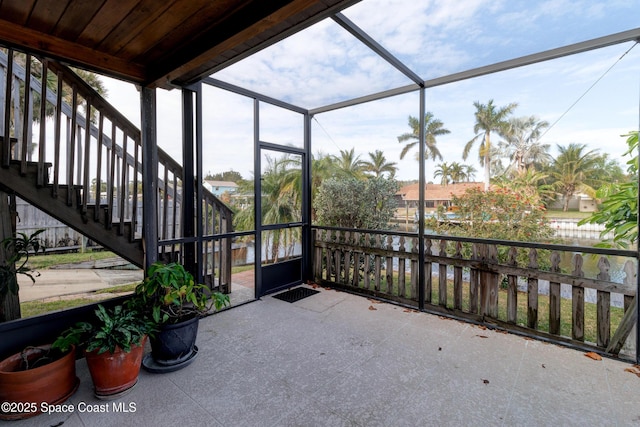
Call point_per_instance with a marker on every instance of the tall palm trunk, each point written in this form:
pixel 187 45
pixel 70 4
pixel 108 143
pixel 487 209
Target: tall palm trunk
pixel 487 162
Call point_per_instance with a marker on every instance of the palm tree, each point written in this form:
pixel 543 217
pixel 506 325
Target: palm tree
pixel 570 171
pixel 522 145
pixel 489 119
pixel 443 170
pixel 469 173
pixel 433 127
pixel 530 184
pixel 378 164
pixel 348 164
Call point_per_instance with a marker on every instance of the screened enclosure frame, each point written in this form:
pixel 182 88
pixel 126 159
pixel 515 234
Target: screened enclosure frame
pixel 420 85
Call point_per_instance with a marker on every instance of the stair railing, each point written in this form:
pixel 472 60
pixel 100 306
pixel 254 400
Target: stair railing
pixel 95 163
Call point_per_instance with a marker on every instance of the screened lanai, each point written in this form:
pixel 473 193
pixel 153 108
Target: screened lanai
pixel 350 84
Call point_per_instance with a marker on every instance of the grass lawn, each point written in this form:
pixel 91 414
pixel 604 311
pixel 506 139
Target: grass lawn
pixel 34 308
pixel 44 261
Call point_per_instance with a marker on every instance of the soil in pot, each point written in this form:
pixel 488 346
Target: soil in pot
pixel 36 375
pixel 114 374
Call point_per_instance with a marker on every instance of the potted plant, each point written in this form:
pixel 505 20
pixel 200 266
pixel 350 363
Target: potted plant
pixel 14 257
pixel 175 302
pixel 42 371
pixel 113 345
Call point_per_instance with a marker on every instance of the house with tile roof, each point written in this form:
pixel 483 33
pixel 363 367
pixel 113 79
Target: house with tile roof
pixel 435 194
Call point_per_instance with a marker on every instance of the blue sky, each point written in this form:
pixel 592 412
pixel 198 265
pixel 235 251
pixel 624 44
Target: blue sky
pixel 325 64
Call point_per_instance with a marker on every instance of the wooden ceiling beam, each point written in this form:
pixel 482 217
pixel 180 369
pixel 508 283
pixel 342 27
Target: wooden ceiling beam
pixel 73 53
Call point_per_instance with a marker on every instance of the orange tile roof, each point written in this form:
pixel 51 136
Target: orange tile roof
pixel 437 191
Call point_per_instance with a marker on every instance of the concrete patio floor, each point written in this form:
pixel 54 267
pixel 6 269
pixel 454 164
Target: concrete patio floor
pixel 335 359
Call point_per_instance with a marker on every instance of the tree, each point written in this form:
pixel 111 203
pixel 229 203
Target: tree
pixel 570 171
pixel 469 173
pixel 530 184
pixel 444 171
pixel 280 196
pixel 619 209
pixel 489 119
pixel 347 164
pixel 522 145
pixel 495 214
pixel 229 175
pixel 433 128
pixel 606 170
pixel 378 164
pixel 353 203
pixel 461 172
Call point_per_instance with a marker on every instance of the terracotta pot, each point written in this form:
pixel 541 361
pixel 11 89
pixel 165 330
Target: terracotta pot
pixel 51 383
pixel 114 374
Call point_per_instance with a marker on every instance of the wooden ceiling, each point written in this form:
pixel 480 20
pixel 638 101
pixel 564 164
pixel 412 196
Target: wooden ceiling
pixel 155 43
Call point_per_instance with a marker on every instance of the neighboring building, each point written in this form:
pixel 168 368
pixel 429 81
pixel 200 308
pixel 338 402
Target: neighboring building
pixel 220 187
pixel 435 194
pixel 578 202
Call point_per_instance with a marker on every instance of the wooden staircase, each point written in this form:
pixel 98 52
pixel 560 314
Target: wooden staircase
pixel 87 170
pixel 93 223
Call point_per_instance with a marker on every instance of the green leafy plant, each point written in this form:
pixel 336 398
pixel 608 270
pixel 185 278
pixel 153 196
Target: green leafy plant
pixel 354 203
pixel 619 209
pixel 18 249
pixel 170 294
pixel 122 326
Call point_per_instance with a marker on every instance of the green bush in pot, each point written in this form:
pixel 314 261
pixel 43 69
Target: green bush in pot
pixel 113 345
pixel 171 297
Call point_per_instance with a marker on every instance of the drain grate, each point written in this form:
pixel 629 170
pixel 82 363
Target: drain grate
pixel 295 294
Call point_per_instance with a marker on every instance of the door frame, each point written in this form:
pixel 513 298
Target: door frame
pixel 294 271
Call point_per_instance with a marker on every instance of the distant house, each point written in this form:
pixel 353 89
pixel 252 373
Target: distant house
pixel 220 187
pixel 578 202
pixel 435 194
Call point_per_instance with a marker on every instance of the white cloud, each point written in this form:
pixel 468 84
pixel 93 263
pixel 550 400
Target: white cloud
pixel 325 64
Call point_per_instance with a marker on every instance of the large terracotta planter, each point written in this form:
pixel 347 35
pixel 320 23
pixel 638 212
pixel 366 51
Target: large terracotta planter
pixel 114 374
pixel 51 383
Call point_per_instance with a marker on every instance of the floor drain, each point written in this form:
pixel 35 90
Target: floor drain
pixel 295 294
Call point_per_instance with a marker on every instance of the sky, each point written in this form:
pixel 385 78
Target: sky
pixel 590 98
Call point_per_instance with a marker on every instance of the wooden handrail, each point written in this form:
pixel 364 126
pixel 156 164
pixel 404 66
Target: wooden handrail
pixel 85 152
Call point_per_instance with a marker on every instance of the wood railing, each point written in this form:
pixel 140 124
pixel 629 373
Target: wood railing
pixel 90 155
pixel 582 296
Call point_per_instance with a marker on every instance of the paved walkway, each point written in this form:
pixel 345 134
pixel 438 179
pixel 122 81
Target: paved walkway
pixel 335 359
pixel 60 282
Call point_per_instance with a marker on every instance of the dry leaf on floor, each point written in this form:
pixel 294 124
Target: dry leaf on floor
pixel 484 328
pixel 543 365
pixel 485 381
pixel 374 301
pixel 372 308
pixel 594 356
pixel 634 370
pixel 482 336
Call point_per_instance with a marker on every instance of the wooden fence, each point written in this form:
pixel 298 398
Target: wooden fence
pixel 582 296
